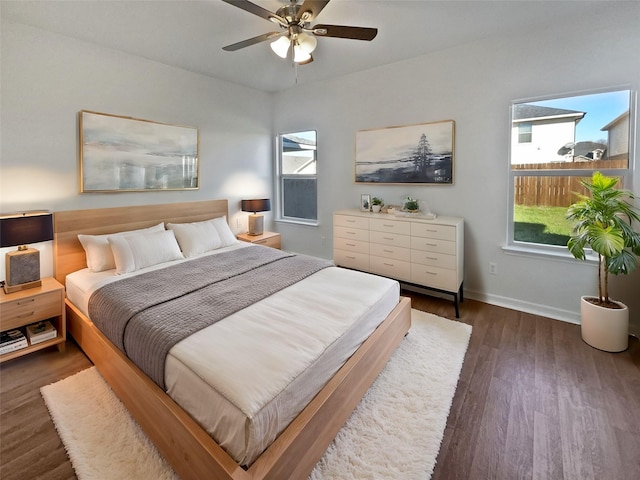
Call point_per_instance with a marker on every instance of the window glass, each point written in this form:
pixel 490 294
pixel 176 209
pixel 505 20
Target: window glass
pixel 297 181
pixel 555 143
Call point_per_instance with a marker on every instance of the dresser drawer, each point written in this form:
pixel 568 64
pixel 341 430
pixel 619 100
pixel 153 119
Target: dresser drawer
pixel 351 233
pixel 351 245
pixel 356 260
pixel 435 259
pixel 433 245
pixel 435 277
pixel 394 239
pixel 354 222
pixel 30 309
pixel 390 226
pixel 390 251
pixel 442 232
pixel 389 267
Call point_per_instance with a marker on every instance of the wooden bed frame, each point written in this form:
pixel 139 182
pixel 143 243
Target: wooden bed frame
pixel 189 449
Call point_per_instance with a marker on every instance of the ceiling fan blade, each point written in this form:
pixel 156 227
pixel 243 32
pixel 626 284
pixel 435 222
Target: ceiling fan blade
pixel 252 41
pixel 310 9
pixel 250 7
pixel 340 31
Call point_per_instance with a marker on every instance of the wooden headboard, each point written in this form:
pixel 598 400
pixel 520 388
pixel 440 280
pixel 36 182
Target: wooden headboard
pixel 68 253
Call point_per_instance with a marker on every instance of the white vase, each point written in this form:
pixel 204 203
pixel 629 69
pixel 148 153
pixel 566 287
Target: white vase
pixel 375 208
pixel 605 328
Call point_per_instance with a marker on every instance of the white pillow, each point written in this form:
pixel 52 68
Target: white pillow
pixel 226 235
pixel 133 252
pixel 98 251
pixel 196 238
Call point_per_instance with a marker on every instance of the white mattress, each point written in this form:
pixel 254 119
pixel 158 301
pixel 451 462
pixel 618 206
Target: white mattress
pixel 247 376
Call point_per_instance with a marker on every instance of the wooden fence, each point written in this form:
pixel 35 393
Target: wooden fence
pixel 557 190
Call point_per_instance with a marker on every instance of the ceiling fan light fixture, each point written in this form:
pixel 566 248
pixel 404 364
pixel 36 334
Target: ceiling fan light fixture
pixel 299 55
pixel 281 46
pixel 307 43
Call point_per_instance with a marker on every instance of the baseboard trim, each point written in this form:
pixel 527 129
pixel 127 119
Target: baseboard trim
pixel 527 307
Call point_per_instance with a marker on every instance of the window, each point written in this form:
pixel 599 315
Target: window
pixel 297 177
pixel 524 132
pixel 555 143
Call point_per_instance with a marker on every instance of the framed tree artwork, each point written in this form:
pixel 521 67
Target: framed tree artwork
pixel 414 154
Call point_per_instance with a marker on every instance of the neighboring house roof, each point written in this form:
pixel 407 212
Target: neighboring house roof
pixel 527 112
pixel 615 121
pixel 583 149
pixel 294 143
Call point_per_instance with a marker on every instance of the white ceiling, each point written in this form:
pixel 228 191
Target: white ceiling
pixel 190 34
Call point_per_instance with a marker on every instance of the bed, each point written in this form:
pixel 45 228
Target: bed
pixel 181 437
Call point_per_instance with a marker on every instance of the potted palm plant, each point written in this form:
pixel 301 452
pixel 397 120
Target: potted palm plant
pixel 604 223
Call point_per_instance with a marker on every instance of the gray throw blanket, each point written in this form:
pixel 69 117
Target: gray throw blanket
pixel 147 314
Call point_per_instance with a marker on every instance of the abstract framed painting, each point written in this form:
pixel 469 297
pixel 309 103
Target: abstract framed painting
pixel 411 154
pixel 125 154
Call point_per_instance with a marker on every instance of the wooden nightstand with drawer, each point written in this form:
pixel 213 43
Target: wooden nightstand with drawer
pixel 26 307
pixel 268 239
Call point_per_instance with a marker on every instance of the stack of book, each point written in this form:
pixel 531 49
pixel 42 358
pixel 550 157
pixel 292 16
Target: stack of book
pixel 40 332
pixel 12 340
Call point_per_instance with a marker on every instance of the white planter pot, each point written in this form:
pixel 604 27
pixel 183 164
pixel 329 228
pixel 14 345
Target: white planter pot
pixel 605 328
pixel 376 208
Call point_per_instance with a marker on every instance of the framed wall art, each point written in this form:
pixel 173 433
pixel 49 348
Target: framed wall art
pixel 415 154
pixel 125 154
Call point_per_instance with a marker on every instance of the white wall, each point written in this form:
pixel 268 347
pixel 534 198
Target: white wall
pixel 474 85
pixel 46 79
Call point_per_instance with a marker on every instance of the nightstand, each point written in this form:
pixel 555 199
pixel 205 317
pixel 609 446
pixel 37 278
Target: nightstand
pixel 29 306
pixel 268 239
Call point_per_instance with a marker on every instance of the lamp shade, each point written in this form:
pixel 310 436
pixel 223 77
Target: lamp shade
pixel 281 46
pixel 259 205
pixel 30 227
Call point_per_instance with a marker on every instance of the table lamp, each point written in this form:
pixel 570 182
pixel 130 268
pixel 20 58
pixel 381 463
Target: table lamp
pixel 23 265
pixel 256 222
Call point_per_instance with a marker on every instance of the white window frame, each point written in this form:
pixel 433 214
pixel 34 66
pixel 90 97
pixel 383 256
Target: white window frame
pixel 558 252
pixel 280 177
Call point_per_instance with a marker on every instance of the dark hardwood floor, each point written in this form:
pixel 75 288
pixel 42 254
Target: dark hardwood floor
pixel 533 402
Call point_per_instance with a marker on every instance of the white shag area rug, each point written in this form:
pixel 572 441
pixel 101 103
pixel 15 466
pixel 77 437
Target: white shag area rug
pixel 395 432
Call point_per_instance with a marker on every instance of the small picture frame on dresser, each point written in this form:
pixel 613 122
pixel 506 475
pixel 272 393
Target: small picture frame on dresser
pixel 365 202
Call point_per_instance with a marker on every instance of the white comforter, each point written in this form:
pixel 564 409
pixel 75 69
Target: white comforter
pixel 247 376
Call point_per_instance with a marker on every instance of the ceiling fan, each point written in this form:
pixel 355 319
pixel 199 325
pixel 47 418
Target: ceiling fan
pixel 296 32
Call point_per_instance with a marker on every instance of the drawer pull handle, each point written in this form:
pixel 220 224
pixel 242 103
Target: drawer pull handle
pixel 350 257
pixel 351 221
pixel 431 244
pixel 28 300
pixel 351 244
pixel 431 273
pixel 389 264
pixel 388 251
pixel 432 258
pixel 434 231
pixel 30 314
pixel 388 238
pixel 351 233
pixel 387 225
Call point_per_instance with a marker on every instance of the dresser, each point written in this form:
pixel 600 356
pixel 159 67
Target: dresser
pixel 413 250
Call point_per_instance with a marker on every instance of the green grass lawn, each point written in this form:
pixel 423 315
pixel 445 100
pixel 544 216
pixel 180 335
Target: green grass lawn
pixel 547 225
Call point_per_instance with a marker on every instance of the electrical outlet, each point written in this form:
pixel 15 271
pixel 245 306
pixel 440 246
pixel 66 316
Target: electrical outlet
pixel 493 268
pixel 238 223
